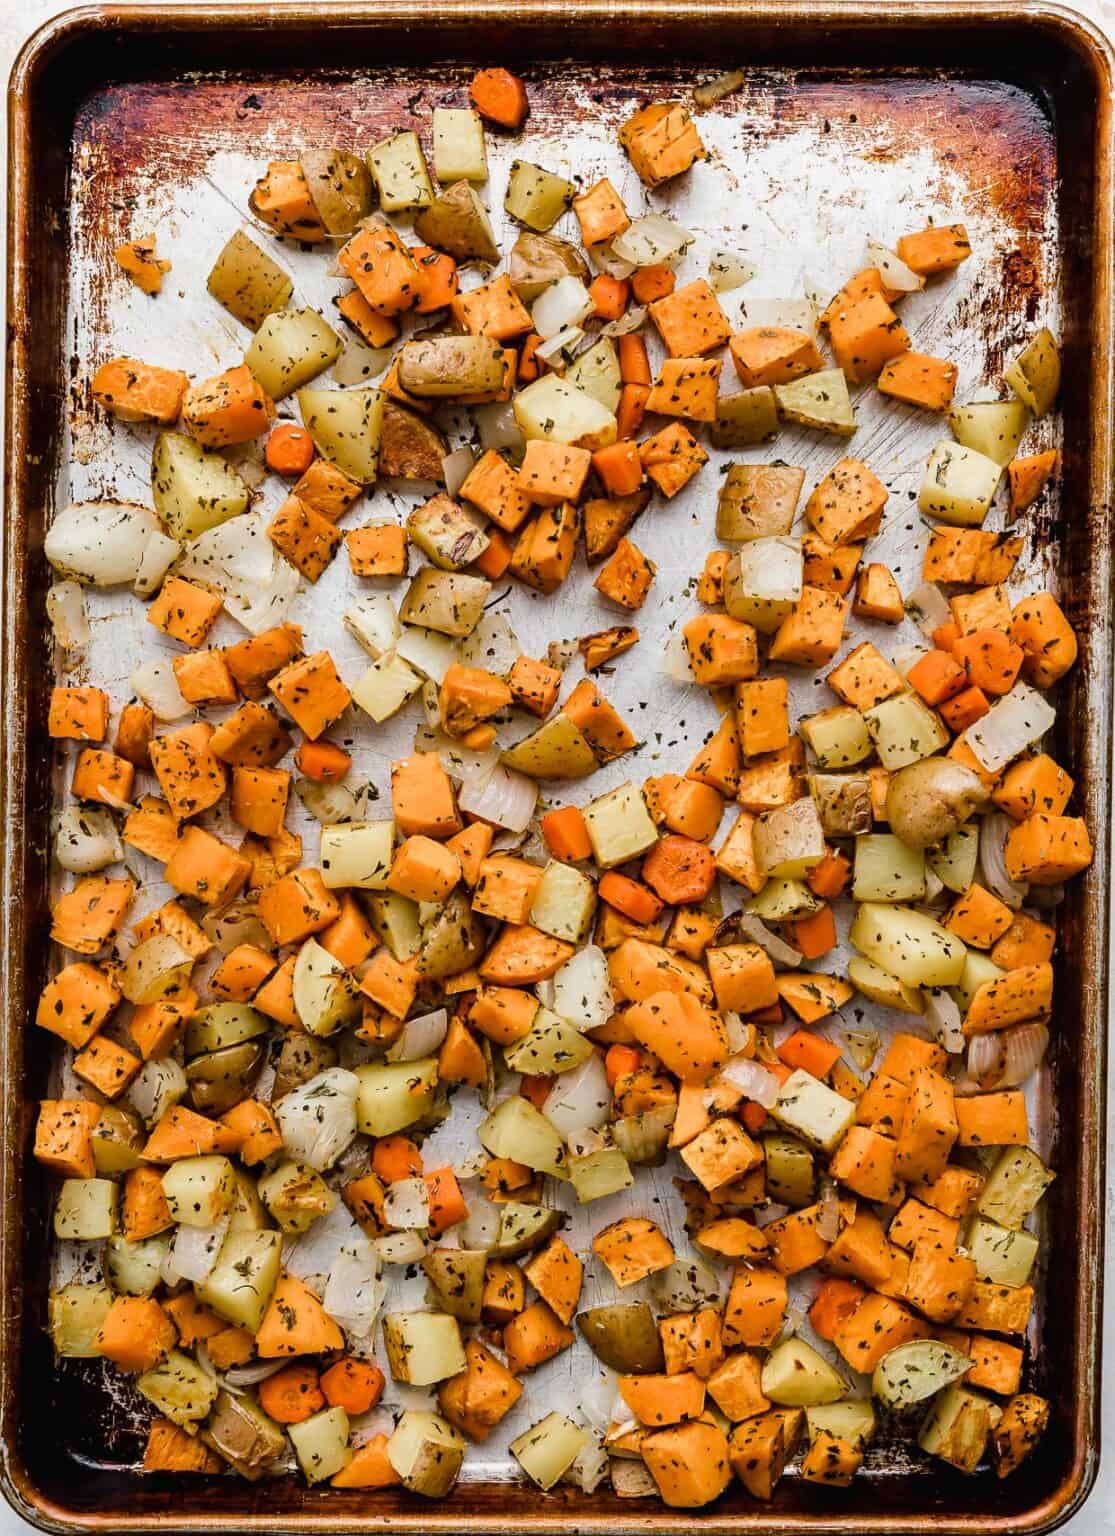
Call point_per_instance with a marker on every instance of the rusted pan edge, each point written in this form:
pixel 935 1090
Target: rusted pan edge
pixel 17 659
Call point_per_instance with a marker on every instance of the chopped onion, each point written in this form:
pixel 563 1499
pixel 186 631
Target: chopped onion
pixel 892 269
pixel 331 804
pixel 728 271
pixel 905 657
pixel 985 1060
pixel 928 607
pixel 359 363
pixel 406 1205
pixel 604 259
pixel 86 840
pixel 1024 1048
pixel 373 622
pixel 158 554
pixel 155 683
pixel 155 967
pixel 65 608
pixel 460 762
pixel 100 542
pixel 712 91
pixel 195 1249
pixel 426 651
pixel 314 1253
pixel 238 561
pixel 251 1375
pixel 597 1398
pixel 942 1014
pixel 1012 724
pixel 583 989
pixel 652 241
pixel 355 1291
pixel 758 932
pixel 560 350
pixel 505 798
pixel 564 303
pixel 238 924
pixel 675 660
pixel 420 1037
pixel 400 1247
pixel 754 1081
pixel 498 427
pixel 559 653
pixel 492 645
pixel 629 321
pixel 589 1467
pixel 480 1228
pixel 156 1086
pixel 739 1034
pixel 579 1100
pixel 318 1120
pixel 794 314
pixel 993 833
pixel 828 1212
pixel 456 468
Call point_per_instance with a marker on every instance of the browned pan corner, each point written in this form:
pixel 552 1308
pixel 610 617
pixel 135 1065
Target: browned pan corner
pixel 78 52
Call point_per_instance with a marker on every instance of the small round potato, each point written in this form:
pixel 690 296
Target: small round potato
pixel 929 799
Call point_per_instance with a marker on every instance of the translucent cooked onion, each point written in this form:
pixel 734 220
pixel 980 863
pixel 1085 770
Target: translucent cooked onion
pixel 794 314
pixel 159 553
pixel 251 1375
pixel 359 363
pixel 1016 721
pixel 331 804
pixel 712 91
pixel 238 561
pixel 480 1228
pixel 155 967
pixel 560 350
pixel 1024 1048
pixel 155 683
pixel 497 427
pixel 598 1396
pixel 727 270
pixel 579 1100
pixel 993 833
pixel 100 542
pixel 604 259
pixel 564 303
pixel 400 1247
pixel 928 607
pixel 456 468
pixel 652 241
pixel 892 269
pixel 86 840
pixel 318 1119
pixel 426 651
pixel 752 1079
pixel 373 623
pixel 942 1014
pixel 238 924
pixel 675 661
pixel 756 930
pixel 863 1045
pixel 65 608
pixel 195 1249
pixel 505 798
pixel 492 645
pixel 582 989
pixel 985 1061
pixel 420 1037
pixel 629 321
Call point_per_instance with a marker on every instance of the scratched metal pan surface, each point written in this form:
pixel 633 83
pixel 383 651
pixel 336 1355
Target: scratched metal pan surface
pixel 850 125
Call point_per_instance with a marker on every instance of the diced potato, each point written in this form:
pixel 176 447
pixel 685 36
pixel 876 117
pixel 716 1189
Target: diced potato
pixel 423 1347
pixel 978 968
pixel 345 425
pixel 179 1389
pixel 296 1196
pixel 959 485
pixel 517 1130
pixel 954 861
pixel 248 282
pixel 780 900
pixel 565 903
pixel 1035 374
pixel 747 417
pixel 457 1275
pixel 443 367
pixel 596 373
pixel 550 1046
pixel 427 1453
pixel 448 601
pixel 819 400
pixel 789 841
pixel 192 488
pixel 199 1190
pixel 843 802
pixel 218 1025
pixel 373 621
pixel 240 1285
pixel 796 1376
pixel 881 987
pixel 321 1444
pixel 1002 1255
pixel 523 1226
pixel 385 687
pixel 956 1428
pixel 326 997
pixel 556 750
pixel 852 1420
pixel 549 1448
pixel 74 1316
pixel 452 939
pixel 394 1095
pixel 595 1175
pixel 242 1434
pixel 992 427
pixel 445 534
pixel 86 1210
pixel 913 1372
pixel 537 261
pixel 556 411
pixel 118 1139
pixel 619 826
pixel 357 854
pixel 457 222
pixel 837 737
pixel 886 869
pixel 459 151
pixel 791 1177
pixel 291 347
pixel 908 944
pixel 535 197
pixel 812 1111
pixel 904 730
pixel 399 168
pixel 763 581
pixel 340 186
pixel 397 924
pixel 1014 1186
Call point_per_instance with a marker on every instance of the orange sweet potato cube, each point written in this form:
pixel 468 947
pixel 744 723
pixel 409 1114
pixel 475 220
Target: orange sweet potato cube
pixel 103 777
pixel 493 486
pixel 672 457
pixel 937 248
pixel 90 915
pixel 304 538
pixel 106 1066
pixel 773 354
pixel 601 213
pixel 916 379
pixel 866 335
pixel 690 320
pixel 312 693
pixel 184 611
pixel 297 906
pixel 422 797
pixel 627 577
pixel 64 1137
pixel 190 774
pixel 205 867
pixel 259 799
pixel 78 714
pixel 203 677
pixel 661 141
pixel 534 685
pixel 812 634
pixel 378 549
pixel 381 266
pixel 847 505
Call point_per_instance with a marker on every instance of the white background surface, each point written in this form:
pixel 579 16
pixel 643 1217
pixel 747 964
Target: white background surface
pixel 18 18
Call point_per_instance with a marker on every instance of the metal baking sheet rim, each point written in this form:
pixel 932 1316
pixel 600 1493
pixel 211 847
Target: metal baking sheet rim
pixel 15 658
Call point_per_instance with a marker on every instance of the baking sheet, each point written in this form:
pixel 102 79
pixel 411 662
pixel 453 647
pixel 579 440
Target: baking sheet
pixel 803 172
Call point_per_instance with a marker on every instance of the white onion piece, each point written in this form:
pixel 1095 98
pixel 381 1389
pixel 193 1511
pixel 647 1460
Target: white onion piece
pixel 794 314
pixel 100 542
pixel 331 804
pixel 985 1060
pixel 238 561
pixel 604 259
pixel 420 1037
pixel 928 607
pixel 675 661
pixel 426 651
pixel 758 932
pixel 312 1255
pixel 406 1205
pixel 257 609
pixel 589 1467
pixel 560 350
pixel 470 1165
pixel 497 426
pixel 905 657
pixel 993 833
pixel 155 967
pixel 195 1249
pixel 863 1045
pixel 1013 723
pixel 480 1228
pixel 318 1120
pixel 251 1375
pixel 564 303
pixel 892 269
pixel 86 840
pixel 942 1014
pixel 934 885
pixel 355 1291
pixel 727 271
pixel 712 91
pixel 828 1212
pixel 373 622
pixel 492 645
pixel 65 608
pixel 456 467
pixel 400 1247
pixel 505 798
pixel 431 703
pixel 1024 1048
pixel 585 1143
pixel 629 321
pixel 155 683
pixel 737 1031
pixel 598 1398
pixel 460 762
pixel 156 1086
pixel 579 1100
pixel 359 363
pixel 752 1079
pixel 158 554
pixel 654 240
pixel 582 989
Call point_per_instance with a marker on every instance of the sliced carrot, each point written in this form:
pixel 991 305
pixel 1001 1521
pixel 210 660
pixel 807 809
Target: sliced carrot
pixel 650 283
pixel 754 1117
pixel 354 1385
pixel 621 1061
pixel 632 408
pixel 629 897
pixel 828 878
pixel 610 296
pixel 814 935
pixel 811 1053
pixel 500 97
pixel 322 761
pixel 289 451
pixel 292 1394
pixel 991 659
pixel 566 834
pixel 835 1301
pixel 680 870
pixel 619 467
pixel 634 364
pixel 447 1204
